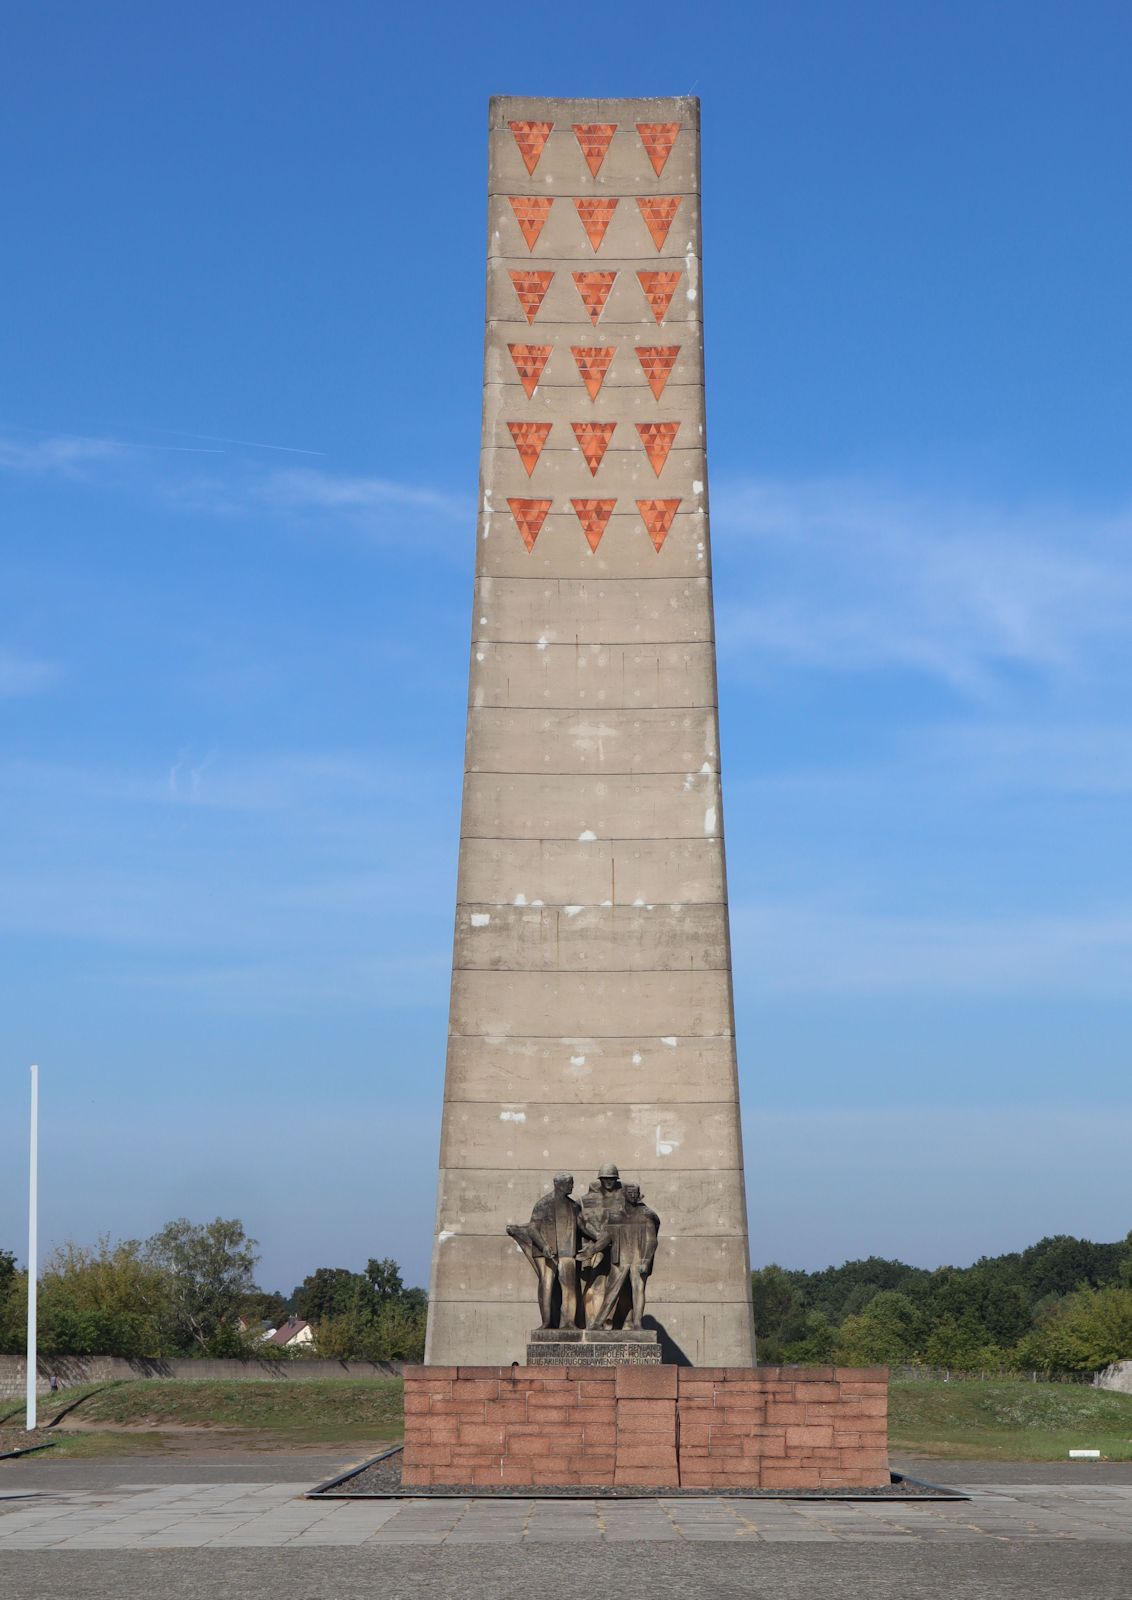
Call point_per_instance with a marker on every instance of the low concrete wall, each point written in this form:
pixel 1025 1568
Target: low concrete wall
pixel 649 1427
pixel 1118 1377
pixel 72 1370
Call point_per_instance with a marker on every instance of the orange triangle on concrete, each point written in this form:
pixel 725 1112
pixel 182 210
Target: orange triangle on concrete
pixel 529 361
pixel 531 288
pixel 594 289
pixel 658 215
pixel 593 439
pixel 529 517
pixel 529 439
pixel 531 211
pixel 659 288
pixel 657 517
pixel 594 138
pixel 530 137
pixel 658 139
pixel 657 362
pixel 657 439
pixel 593 364
pixel 593 515
pixel 595 216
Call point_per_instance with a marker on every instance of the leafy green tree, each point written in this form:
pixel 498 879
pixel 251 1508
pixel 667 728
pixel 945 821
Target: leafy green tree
pixel 210 1267
pixel 384 1278
pixel 814 1342
pixel 14 1313
pixel 1084 1331
pixel 778 1311
pixel 105 1299
pixel 886 1332
pixel 327 1292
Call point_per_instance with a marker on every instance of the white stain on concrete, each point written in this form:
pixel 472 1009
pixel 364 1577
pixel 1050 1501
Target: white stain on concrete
pixel 697 486
pixel 572 911
pixel 670 1040
pixel 480 919
pixel 542 642
pixel 636 1058
pixel 445 1233
pixel 479 655
pixel 512 1116
pixel 520 899
pixel 577 1061
pixel 587 836
pixel 706 767
pixel 664 1147
pixel 709 820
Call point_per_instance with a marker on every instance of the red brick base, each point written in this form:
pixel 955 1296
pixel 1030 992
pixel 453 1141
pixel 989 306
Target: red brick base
pixel 653 1427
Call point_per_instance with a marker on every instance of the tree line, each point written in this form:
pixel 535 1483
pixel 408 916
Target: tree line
pixel 191 1290
pixel 1062 1305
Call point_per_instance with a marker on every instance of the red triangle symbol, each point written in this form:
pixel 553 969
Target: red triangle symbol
pixel 529 517
pixel 531 211
pixel 658 139
pixel 530 137
pixel 594 289
pixel 531 288
pixel 593 438
pixel 657 439
pixel 593 515
pixel 593 364
pixel 659 288
pixel 657 517
pixel 594 138
pixel 658 215
pixel 529 361
pixel 657 362
pixel 595 216
pixel 529 439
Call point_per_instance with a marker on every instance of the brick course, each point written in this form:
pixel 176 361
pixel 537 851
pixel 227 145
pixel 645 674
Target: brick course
pixel 650 1427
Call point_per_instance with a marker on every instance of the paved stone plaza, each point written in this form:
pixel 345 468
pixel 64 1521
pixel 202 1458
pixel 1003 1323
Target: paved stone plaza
pixel 190 1529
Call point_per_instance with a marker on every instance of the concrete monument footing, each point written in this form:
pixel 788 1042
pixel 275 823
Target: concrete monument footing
pixel 659 1427
pixel 594 1347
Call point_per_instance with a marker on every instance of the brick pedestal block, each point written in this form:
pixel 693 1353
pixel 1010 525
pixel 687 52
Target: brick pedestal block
pixel 649 1427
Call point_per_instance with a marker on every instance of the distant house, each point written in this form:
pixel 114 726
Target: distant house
pixel 293 1335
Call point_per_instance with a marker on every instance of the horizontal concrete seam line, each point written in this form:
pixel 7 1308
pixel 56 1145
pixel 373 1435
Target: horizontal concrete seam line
pixel 607 383
pixel 522 705
pixel 605 838
pixel 604 1105
pixel 597 1038
pixel 589 905
pixel 593 972
pixel 603 770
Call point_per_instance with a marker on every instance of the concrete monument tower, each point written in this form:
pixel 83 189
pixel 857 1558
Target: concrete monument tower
pixel 591 1013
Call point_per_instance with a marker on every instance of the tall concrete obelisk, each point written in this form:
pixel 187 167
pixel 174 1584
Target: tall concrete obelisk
pixel 591 1013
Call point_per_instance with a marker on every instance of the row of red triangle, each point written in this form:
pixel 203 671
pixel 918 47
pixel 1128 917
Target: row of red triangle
pixel 656 515
pixel 594 289
pixel 593 363
pixel 593 441
pixel 594 139
pixel 595 215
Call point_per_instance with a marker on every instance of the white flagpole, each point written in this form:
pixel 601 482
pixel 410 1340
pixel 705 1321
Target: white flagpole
pixel 33 1229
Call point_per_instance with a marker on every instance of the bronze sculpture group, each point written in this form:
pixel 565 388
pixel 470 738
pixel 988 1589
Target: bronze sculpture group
pixel 594 1258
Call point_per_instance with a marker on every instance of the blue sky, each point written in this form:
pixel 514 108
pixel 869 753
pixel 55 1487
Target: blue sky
pixel 237 469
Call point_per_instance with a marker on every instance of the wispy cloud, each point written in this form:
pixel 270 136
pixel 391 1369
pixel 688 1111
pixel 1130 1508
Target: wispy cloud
pixel 847 577
pixel 65 455
pixel 20 675
pixel 835 949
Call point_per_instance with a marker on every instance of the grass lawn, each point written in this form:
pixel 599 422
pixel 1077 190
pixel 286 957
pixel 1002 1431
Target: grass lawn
pixel 1008 1420
pixel 148 1414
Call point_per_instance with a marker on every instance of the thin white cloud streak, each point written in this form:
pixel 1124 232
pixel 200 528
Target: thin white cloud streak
pixel 846 578
pixel 68 456
pixel 304 489
pixel 823 948
pixel 21 676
